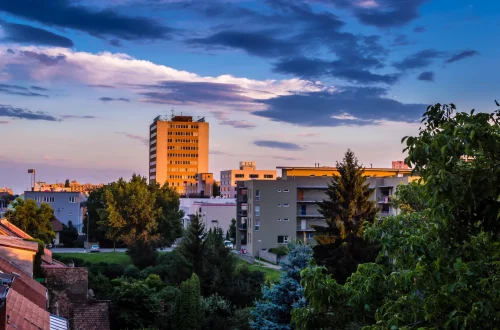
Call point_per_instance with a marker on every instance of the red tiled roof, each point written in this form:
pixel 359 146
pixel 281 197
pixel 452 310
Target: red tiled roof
pixel 25 284
pixel 92 316
pixel 18 232
pixel 24 314
pixel 57 225
pixel 18 243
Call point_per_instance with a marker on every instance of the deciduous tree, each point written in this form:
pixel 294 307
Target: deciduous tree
pixel 34 220
pixel 187 308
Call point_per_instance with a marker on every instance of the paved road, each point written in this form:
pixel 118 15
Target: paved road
pixel 80 250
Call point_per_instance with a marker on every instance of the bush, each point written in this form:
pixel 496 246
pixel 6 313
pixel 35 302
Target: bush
pixel 171 267
pixel 280 251
pixel 132 272
pixel 114 270
pixel 143 255
pixel 78 244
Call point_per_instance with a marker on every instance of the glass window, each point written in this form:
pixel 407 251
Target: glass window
pixel 286 219
pixel 239 176
pixel 257 210
pixel 286 190
pixel 268 176
pixel 254 176
pixel 257 225
pixel 282 239
pixel 286 205
pixel 257 195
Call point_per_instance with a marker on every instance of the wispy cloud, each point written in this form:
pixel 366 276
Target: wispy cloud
pixel 77 117
pixel 144 140
pixel 19 113
pixel 277 145
pixel 4 122
pixel 21 90
pixel 462 55
pixel 307 134
pixel 110 99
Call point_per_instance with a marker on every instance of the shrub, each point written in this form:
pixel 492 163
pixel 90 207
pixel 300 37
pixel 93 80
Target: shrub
pixel 280 251
pixel 132 272
pixel 114 270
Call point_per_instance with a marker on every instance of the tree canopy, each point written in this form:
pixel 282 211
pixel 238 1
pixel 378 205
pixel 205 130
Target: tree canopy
pixel 34 220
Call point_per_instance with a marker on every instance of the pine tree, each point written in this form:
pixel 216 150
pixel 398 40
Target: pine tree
pixel 187 315
pixel 348 207
pixel 192 245
pixel 273 311
pixel 218 264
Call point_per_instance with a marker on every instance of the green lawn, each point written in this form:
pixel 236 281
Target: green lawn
pixel 109 257
pixel 274 274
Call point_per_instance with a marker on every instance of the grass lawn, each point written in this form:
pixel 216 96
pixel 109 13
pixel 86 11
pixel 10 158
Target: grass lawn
pixel 274 274
pixel 110 257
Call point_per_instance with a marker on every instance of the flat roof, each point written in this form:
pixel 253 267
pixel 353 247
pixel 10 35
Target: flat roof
pixel 330 168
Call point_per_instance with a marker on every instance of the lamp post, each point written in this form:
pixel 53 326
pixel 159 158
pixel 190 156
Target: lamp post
pixel 88 221
pixel 259 251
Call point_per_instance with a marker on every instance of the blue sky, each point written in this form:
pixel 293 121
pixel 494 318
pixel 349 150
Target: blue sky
pixel 281 82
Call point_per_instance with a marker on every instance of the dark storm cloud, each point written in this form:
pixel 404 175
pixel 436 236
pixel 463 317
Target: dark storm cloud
pixel 315 68
pixel 21 33
pixel 44 59
pixel 20 90
pixel 462 55
pixel 183 92
pixel 18 113
pixel 401 40
pixel 277 145
pixel 111 99
pixel 426 76
pixel 420 59
pixel 74 15
pixel 350 106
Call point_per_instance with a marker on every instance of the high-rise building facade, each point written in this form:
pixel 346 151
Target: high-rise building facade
pixel 178 151
pixel 247 171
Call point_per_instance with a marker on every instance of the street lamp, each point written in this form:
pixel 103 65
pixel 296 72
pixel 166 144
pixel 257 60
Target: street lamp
pixel 88 221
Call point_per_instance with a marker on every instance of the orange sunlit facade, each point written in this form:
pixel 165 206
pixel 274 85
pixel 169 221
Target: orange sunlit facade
pixel 178 151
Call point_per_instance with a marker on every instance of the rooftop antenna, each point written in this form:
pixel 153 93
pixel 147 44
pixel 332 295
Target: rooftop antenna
pixel 371 165
pixel 172 112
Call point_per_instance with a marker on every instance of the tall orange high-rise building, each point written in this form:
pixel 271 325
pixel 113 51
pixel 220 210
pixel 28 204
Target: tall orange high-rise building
pixel 178 151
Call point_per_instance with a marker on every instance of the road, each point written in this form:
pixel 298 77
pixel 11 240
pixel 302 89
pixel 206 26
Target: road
pixel 80 250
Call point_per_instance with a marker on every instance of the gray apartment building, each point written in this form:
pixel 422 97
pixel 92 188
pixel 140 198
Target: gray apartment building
pixel 67 205
pixel 270 213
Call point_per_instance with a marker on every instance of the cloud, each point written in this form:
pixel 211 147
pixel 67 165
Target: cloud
pixel 284 158
pixel 347 106
pixel 18 113
pixel 401 40
pixel 426 76
pixel 77 117
pixel 277 145
pixel 44 59
pixel 462 55
pixel 238 123
pixel 311 68
pixel 4 122
pixel 419 60
pixel 101 86
pixel 419 29
pixel 144 140
pixel 38 88
pixel 19 90
pixel 101 23
pixel 307 134
pixel 220 153
pixel 123 71
pixel 110 99
pixel 20 33
pixel 10 51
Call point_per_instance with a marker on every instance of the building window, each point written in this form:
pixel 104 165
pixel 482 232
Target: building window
pixel 257 210
pixel 70 213
pixel 286 190
pixel 72 199
pixel 257 225
pixel 282 239
pixel 279 219
pixel 279 190
pixel 286 205
pixel 279 205
pixel 38 199
pixel 309 235
pixel 48 199
pixel 254 176
pixel 286 219
pixel 239 176
pixel 268 176
pixel 257 195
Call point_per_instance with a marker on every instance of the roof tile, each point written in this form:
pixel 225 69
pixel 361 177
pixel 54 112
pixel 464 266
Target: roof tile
pixel 24 314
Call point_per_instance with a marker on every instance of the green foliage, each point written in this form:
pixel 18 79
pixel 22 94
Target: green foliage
pixel 444 263
pixel 143 254
pixel 132 272
pixel 241 319
pixel 37 262
pixel 232 230
pixel 187 307
pixel 216 312
pixel 347 210
pixel 100 285
pixel 217 264
pixel 172 268
pixel 168 295
pixel 96 206
pixel 68 235
pixel 280 251
pixel 215 190
pixel 34 220
pixel 192 244
pixel 410 198
pixel 246 286
pixel 66 183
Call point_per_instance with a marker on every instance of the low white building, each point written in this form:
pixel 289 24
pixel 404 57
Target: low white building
pixel 214 212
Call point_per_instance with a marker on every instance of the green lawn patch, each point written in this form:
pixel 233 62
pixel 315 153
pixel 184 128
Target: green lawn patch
pixel 274 274
pixel 109 257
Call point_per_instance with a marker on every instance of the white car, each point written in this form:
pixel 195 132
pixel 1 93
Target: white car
pixel 229 244
pixel 94 248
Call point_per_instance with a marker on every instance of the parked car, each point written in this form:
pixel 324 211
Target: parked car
pixel 94 248
pixel 229 244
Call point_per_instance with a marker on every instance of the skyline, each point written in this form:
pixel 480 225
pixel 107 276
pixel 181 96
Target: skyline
pixel 279 81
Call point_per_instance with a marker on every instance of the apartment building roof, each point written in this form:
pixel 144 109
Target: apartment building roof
pixel 332 168
pixel 24 283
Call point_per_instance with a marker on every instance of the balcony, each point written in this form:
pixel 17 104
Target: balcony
pixel 243 226
pixel 243 213
pixel 384 199
pixel 305 199
pixel 242 199
pixel 385 213
pixel 304 228
pixel 301 214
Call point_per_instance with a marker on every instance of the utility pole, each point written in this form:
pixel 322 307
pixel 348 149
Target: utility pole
pixel 88 233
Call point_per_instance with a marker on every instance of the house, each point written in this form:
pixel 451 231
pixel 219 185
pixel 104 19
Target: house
pixel 58 227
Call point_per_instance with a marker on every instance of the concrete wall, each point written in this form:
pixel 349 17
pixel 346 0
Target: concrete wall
pixel 64 210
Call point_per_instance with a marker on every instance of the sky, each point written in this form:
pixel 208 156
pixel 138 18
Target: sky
pixel 282 82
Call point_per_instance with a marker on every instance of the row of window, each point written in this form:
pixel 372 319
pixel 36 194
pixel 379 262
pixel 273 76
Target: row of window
pixel 182 141
pixel 183 162
pixel 181 184
pixel 182 176
pixel 175 169
pixel 183 155
pixel 184 126
pixel 51 199
pixel 251 176
pixel 282 239
pixel 182 148
pixel 183 133
pixel 284 205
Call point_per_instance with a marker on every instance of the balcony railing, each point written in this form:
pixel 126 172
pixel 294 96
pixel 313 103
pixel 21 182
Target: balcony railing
pixel 243 213
pixel 384 199
pixel 305 199
pixel 309 215
pixel 243 226
pixel 242 199
pixel 304 228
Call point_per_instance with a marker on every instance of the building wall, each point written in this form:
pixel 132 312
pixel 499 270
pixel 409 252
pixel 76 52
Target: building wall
pixel 68 287
pixel 290 172
pixel 21 258
pixel 229 180
pixel 169 162
pixel 64 210
pixel 220 209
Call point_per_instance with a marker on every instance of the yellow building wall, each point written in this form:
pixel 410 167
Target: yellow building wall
pixel 330 171
pixel 21 258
